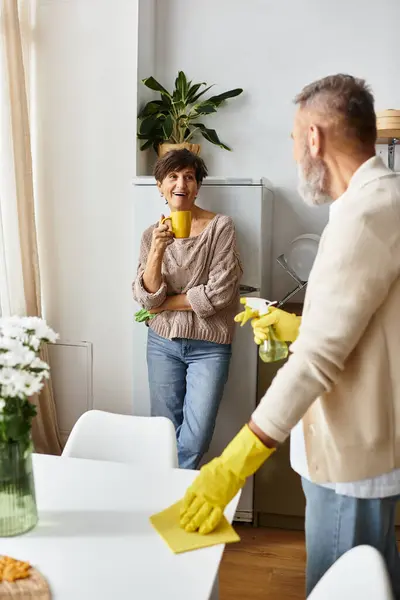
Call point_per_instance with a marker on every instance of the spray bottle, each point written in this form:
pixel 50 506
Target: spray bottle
pixel 272 349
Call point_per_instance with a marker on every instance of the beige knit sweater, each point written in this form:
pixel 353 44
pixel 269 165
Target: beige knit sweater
pixel 207 269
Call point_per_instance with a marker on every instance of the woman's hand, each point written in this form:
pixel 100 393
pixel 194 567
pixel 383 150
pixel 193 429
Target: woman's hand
pixel 162 237
pixel 156 311
pixel 177 302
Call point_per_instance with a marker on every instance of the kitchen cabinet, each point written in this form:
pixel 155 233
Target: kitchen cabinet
pixel 278 495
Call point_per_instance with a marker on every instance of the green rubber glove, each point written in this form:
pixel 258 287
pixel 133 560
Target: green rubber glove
pixel 143 315
pixel 286 325
pixel 220 480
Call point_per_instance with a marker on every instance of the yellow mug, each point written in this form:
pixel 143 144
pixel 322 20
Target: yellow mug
pixel 181 221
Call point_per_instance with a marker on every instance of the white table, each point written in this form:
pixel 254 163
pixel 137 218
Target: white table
pixel 94 529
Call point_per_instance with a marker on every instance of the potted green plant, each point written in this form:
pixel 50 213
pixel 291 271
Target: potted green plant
pixel 22 374
pixel 174 118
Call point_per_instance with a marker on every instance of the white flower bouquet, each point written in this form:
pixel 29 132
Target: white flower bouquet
pixel 22 374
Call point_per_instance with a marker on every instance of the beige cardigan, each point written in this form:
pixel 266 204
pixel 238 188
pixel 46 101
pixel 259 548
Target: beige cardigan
pixel 343 376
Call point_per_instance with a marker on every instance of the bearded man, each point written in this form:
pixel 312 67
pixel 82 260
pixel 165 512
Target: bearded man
pixel 338 395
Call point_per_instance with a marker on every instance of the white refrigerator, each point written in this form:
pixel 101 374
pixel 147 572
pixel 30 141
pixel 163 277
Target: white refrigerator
pixel 250 204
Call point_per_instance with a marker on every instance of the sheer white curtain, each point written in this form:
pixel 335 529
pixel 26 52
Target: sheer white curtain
pixel 12 296
pixel 19 267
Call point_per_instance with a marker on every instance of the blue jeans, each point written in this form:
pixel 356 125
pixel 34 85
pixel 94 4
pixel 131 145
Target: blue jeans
pixel 187 379
pixel 335 524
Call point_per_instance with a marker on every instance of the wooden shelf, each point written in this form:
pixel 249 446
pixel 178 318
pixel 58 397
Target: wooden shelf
pixel 294 307
pixel 388 140
pixel 388 125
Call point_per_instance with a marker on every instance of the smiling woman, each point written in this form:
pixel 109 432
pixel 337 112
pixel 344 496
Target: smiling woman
pixel 191 284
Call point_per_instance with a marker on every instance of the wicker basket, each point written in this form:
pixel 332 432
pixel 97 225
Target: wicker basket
pixel 34 587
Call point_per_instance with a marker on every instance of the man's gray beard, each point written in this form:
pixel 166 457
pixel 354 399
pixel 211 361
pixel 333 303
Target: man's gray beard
pixel 311 187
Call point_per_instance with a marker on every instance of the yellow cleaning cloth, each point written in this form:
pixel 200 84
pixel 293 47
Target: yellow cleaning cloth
pixel 166 523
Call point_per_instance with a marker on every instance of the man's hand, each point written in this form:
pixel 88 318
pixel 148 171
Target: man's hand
pixel 286 325
pixel 247 313
pixel 220 480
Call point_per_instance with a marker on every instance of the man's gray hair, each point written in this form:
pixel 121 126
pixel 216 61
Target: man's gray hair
pixel 346 99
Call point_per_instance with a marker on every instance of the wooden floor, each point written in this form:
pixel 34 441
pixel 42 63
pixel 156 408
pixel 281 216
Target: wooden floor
pixel 267 564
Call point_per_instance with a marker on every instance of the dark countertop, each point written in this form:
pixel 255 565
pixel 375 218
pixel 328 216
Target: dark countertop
pixel 294 307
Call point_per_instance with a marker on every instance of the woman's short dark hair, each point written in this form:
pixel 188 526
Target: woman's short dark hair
pixel 177 160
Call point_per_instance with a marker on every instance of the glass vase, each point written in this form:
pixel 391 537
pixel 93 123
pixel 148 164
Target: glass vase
pixel 18 512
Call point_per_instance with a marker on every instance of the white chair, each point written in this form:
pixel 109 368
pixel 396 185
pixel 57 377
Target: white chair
pixel 101 435
pixel 360 574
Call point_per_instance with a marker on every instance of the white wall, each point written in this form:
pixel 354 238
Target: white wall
pixel 89 56
pixel 272 49
pixel 85 88
pixel 146 68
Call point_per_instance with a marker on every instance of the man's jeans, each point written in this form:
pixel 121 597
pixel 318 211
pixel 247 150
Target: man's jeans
pixel 335 524
pixel 187 379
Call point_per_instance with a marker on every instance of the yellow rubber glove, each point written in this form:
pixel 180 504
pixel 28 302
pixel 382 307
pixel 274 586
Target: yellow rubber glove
pixel 247 314
pixel 220 480
pixel 286 325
